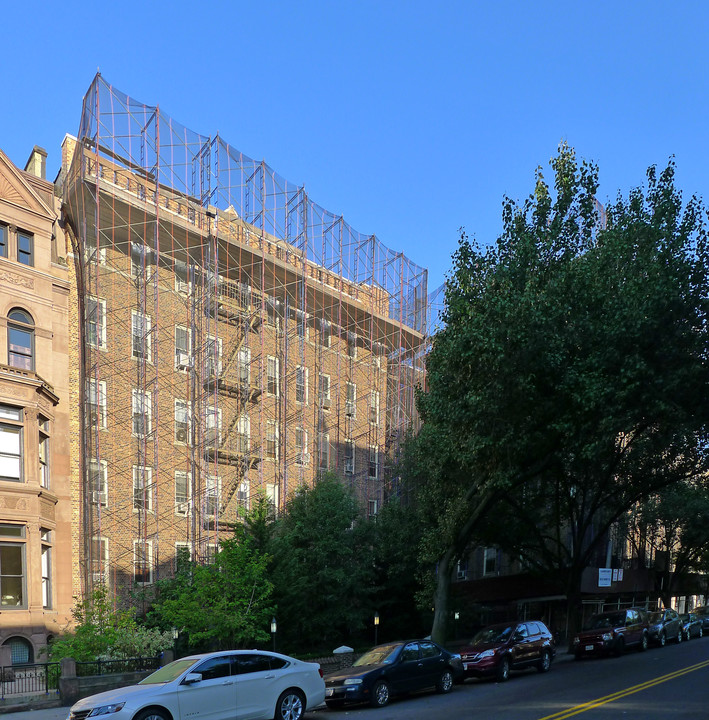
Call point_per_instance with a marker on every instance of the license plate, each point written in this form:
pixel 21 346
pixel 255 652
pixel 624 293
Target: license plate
pixel 328 692
pixel 589 647
pixel 465 666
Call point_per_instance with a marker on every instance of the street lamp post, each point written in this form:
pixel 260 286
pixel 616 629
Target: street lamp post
pixel 274 628
pixel 376 626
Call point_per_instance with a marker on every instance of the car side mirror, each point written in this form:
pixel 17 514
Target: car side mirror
pixel 192 678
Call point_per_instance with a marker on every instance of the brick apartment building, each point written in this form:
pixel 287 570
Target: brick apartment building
pixel 232 338
pixel 35 490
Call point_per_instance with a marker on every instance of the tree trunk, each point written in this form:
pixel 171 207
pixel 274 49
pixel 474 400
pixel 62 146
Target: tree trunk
pixel 440 602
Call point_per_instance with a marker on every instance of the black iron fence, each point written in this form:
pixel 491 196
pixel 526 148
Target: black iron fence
pixel 110 667
pixel 30 679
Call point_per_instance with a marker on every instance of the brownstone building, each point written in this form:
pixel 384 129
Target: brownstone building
pixel 234 338
pixel 35 491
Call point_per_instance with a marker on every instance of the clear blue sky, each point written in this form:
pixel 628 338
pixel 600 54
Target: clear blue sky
pixel 409 118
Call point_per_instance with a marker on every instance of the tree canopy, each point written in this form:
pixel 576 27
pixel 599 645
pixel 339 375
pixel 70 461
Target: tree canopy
pixel 570 379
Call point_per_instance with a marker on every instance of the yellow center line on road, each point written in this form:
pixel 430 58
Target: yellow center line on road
pixel 578 709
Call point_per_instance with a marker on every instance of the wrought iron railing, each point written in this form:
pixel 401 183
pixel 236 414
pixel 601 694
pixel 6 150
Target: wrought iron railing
pixel 107 667
pixel 29 679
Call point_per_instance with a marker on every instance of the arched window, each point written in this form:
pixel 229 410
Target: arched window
pixel 20 339
pixel 20 649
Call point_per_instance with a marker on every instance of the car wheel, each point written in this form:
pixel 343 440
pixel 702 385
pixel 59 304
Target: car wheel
pixel 380 694
pixel 290 705
pixel 644 642
pixel 334 704
pixel 503 669
pixel 153 714
pixel 701 632
pixel 680 636
pixel 663 639
pixel 445 682
pixel 544 662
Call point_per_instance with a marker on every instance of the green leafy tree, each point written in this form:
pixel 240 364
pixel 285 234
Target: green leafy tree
pixel 102 632
pixel 225 604
pixel 323 567
pixel 570 379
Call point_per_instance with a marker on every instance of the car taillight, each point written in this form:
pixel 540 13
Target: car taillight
pixel 320 671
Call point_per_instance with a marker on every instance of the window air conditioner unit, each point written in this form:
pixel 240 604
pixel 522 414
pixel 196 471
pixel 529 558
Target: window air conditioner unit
pixel 182 360
pixel 349 467
pixel 93 418
pixel 182 508
pixel 181 435
pixel 302 458
pixel 326 403
pixel 462 574
pixel 98 498
pixel 349 408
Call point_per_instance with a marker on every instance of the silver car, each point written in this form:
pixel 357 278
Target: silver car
pixel 229 685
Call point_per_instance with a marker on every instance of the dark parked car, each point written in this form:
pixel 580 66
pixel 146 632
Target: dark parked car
pixel 391 669
pixel 612 632
pixel 703 614
pixel 497 649
pixel 664 625
pixel 692 625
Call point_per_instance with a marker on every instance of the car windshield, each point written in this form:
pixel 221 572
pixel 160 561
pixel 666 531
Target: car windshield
pixel 701 611
pixel 380 655
pixel 498 633
pixel 606 620
pixel 686 617
pixel 168 673
pixel 655 617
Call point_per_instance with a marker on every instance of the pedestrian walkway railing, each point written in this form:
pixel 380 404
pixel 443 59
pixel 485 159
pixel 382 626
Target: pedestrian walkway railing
pixel 110 667
pixel 30 679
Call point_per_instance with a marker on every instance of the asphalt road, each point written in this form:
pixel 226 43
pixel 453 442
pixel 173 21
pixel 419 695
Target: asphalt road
pixel 670 683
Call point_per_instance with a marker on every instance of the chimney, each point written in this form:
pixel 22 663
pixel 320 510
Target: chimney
pixel 37 163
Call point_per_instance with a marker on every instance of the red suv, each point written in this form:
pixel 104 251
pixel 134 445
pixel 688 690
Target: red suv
pixel 498 649
pixel 612 632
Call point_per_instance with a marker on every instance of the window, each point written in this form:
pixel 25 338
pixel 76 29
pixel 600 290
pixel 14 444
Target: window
pixel 462 570
pixel 349 457
pixel 182 277
pixel 3 241
pixel 11 446
pixel 372 508
pixel 140 336
pixel 25 248
pixel 99 559
pixel 301 384
pixel 489 561
pixel 12 566
pixel 272 494
pixel 242 494
pixel 213 427
pixel 96 322
pixel 374 407
pixel 20 339
pixel 272 375
pixel 44 452
pixel 20 650
pixel 271 440
pixel 212 493
pixel 182 422
pixel 98 482
pixel 215 668
pixel 373 462
pixel 243 362
pixel 351 345
pixel 324 450
pixel 142 413
pixel 46 538
pixel 325 333
pixel 351 401
pixel 142 488
pixel 243 434
pixel 140 258
pixel 273 311
pixel 143 561
pixel 324 390
pixel 301 446
pixel 183 348
pixel 90 254
pixel 182 492
pixel 301 324
pixel 183 554
pixel 96 403
pixel 213 356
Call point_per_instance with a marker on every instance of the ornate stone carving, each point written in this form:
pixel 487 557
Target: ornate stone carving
pixel 15 279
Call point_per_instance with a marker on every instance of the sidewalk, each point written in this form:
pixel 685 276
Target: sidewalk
pixel 55 713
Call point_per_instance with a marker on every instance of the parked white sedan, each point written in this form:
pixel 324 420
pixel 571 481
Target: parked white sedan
pixel 229 685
